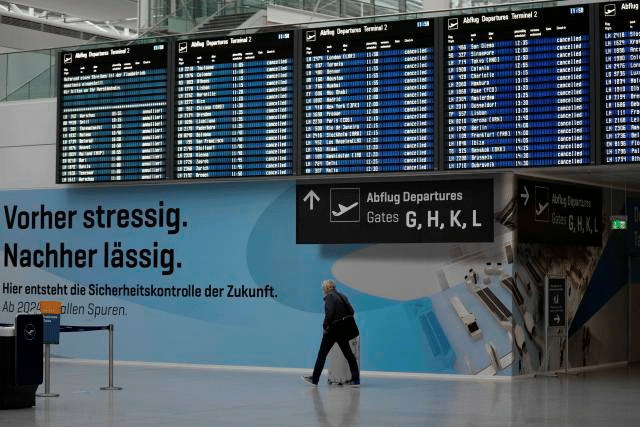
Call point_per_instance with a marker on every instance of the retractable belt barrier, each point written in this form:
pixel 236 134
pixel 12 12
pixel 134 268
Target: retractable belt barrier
pixel 66 328
pixel 69 328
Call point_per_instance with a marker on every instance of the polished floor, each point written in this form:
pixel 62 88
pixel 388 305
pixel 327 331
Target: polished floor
pixel 175 396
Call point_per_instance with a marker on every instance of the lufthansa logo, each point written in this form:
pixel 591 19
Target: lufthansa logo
pixel 29 332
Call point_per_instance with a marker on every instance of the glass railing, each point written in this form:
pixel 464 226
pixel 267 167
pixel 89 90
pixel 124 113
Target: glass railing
pixel 195 10
pixel 31 75
pixel 27 75
pixel 192 13
pixel 338 8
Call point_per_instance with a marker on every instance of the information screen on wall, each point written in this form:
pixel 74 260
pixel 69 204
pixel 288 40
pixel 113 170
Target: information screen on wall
pixel 620 34
pixel 518 89
pixel 234 106
pixel 368 98
pixel 112 114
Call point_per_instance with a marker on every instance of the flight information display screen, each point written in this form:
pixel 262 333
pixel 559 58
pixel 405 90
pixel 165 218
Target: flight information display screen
pixel 368 98
pixel 112 114
pixel 234 106
pixel 620 33
pixel 517 86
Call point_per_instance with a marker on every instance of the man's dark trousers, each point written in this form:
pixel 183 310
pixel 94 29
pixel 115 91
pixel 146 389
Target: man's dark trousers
pixel 328 339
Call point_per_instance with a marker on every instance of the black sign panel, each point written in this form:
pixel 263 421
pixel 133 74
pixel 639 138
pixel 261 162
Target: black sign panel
pixel 556 301
pixel 29 339
pixel 395 212
pixel 620 38
pixel 560 214
pixel 518 89
pixel 369 98
pixel 112 114
pixel 633 232
pixel 234 106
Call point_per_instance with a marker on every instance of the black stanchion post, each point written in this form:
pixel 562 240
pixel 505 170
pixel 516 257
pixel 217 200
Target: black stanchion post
pixel 111 386
pixel 47 373
pixel 50 335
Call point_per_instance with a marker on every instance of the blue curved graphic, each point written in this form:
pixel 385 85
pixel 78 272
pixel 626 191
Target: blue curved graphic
pixel 297 270
pixel 240 234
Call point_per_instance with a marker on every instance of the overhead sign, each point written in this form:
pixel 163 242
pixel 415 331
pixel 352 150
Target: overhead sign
pixel 554 213
pixel 395 212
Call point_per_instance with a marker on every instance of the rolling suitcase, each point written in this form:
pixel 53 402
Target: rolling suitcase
pixel 339 372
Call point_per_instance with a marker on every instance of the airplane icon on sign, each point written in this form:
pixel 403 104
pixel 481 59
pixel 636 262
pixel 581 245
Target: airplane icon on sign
pixel 344 205
pixel 343 209
pixel 610 10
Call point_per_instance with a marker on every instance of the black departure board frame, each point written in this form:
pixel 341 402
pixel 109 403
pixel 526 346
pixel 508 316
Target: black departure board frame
pixel 519 89
pixel 234 106
pixel 620 81
pixel 113 113
pixel 369 98
pixel 381 96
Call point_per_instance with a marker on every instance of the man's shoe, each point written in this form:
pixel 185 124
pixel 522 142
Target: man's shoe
pixel 353 383
pixel 309 380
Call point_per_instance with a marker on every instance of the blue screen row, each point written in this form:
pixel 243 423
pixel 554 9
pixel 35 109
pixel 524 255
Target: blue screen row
pixel 525 80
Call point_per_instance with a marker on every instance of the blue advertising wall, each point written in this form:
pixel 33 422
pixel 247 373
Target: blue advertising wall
pixel 211 274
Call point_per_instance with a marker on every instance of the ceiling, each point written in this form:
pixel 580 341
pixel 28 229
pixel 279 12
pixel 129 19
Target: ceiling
pixel 17 31
pixel 98 10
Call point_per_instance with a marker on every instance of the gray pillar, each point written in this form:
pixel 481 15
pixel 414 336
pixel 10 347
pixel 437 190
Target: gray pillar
pixel 144 15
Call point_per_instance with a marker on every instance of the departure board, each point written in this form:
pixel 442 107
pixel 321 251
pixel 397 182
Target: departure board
pixel 112 114
pixel 368 98
pixel 234 106
pixel 620 34
pixel 518 89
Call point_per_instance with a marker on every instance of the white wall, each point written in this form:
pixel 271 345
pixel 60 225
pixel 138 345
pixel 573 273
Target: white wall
pixel 429 5
pixel 22 39
pixel 28 144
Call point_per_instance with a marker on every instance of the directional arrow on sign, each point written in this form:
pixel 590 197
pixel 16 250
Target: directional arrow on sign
pixel 311 197
pixel 525 196
pixel 557 319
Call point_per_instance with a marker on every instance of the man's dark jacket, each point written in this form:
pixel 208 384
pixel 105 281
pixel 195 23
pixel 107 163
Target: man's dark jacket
pixel 335 308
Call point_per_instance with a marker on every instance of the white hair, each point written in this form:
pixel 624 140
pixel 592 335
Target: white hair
pixel 328 285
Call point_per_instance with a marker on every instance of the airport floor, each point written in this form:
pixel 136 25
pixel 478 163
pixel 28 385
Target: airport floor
pixel 161 396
